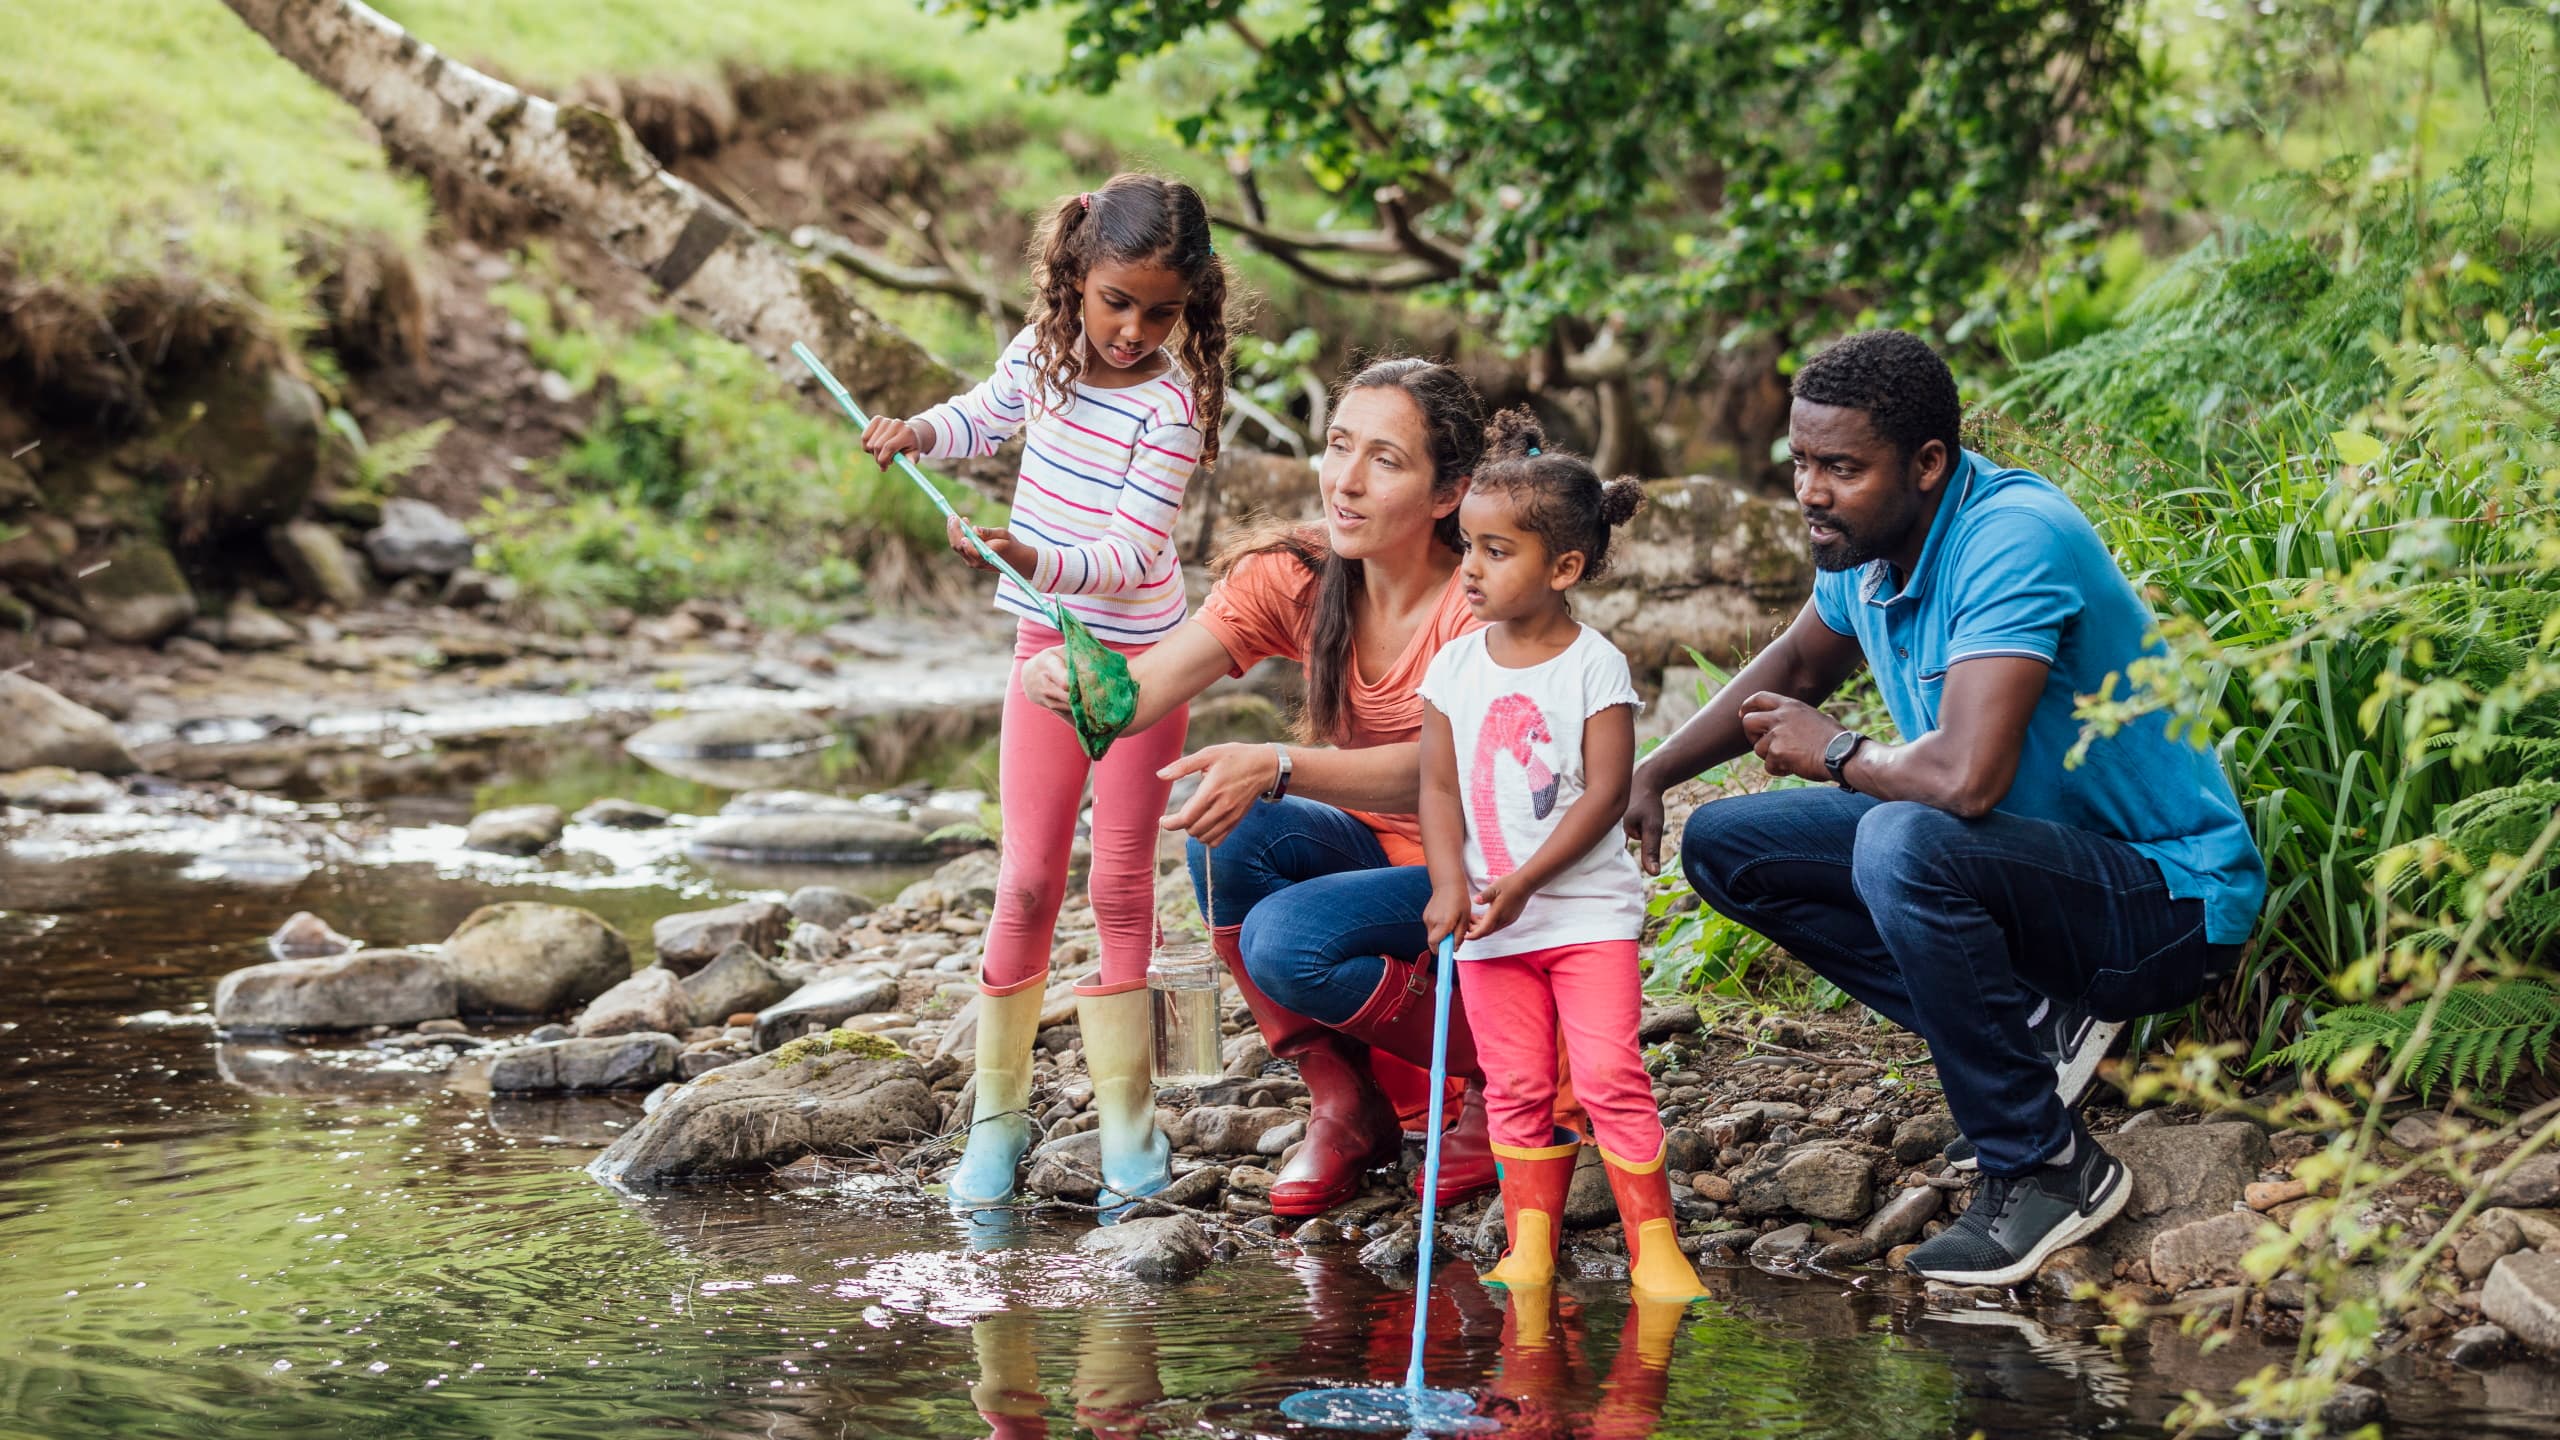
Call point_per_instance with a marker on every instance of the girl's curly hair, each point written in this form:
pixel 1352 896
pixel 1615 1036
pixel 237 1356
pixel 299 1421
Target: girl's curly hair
pixel 1555 494
pixel 1133 220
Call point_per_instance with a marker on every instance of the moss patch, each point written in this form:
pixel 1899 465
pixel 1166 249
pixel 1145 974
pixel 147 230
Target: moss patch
pixel 847 1044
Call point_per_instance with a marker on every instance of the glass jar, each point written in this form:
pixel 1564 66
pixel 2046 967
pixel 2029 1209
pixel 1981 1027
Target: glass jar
pixel 1182 981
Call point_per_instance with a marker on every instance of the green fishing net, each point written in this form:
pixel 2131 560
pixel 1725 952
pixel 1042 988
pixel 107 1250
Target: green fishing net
pixel 1099 688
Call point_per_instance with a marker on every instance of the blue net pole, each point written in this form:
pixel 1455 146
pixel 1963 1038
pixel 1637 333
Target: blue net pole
pixel 1448 964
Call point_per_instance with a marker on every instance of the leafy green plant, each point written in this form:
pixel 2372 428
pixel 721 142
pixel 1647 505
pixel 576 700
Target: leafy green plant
pixel 379 464
pixel 1696 951
pixel 2482 1035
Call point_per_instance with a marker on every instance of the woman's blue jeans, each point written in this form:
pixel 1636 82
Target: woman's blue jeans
pixel 1318 902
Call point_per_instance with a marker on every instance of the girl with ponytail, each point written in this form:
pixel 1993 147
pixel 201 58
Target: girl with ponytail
pixel 1117 388
pixel 1528 752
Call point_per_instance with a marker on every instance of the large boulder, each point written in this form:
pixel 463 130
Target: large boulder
pixel 515 830
pixel 416 538
pixel 39 727
pixel 830 1094
pixel 2531 1185
pixel 2181 1174
pixel 135 594
pixel 651 999
pixel 689 941
pixel 820 839
pixel 822 1005
pixel 339 992
pixel 2206 1252
pixel 253 455
pixel 1706 565
pixel 2523 1294
pixel 612 1062
pixel 522 957
pixel 738 983
pixel 1828 1184
pixel 318 563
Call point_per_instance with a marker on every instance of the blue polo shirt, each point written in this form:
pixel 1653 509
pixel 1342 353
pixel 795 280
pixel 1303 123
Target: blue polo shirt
pixel 2011 567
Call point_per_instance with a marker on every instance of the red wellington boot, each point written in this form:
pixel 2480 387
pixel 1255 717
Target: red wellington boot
pixel 1396 1018
pixel 1350 1125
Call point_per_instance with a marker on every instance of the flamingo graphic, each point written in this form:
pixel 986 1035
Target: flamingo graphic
pixel 1512 724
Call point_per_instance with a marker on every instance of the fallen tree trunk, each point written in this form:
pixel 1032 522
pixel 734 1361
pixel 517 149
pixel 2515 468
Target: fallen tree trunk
pixel 585 169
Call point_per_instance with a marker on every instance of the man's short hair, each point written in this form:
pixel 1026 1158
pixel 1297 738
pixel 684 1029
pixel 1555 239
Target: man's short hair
pixel 1909 394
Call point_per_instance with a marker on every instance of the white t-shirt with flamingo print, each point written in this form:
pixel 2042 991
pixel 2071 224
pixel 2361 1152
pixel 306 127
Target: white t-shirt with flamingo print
pixel 1519 741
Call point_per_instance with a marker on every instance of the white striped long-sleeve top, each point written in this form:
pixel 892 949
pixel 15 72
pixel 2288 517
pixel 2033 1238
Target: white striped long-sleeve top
pixel 1102 479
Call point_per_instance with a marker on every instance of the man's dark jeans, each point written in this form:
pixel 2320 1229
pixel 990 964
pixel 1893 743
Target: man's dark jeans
pixel 1954 929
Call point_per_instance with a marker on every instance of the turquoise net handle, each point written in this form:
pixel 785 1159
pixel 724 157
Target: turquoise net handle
pixel 932 492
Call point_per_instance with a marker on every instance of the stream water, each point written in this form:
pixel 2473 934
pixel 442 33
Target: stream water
pixel 204 1239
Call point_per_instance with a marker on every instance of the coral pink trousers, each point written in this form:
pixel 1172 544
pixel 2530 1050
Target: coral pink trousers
pixel 1040 782
pixel 1515 1006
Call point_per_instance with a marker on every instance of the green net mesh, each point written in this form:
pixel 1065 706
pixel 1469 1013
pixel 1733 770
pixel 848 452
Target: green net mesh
pixel 1099 688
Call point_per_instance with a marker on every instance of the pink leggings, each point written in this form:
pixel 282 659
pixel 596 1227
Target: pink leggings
pixel 1512 1010
pixel 1040 779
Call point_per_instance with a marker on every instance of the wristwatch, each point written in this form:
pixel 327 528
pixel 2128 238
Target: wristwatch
pixel 1279 783
pixel 1835 757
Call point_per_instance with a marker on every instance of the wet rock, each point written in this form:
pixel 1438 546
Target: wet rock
pixel 136 595
pixel 416 538
pixel 515 830
pixel 2523 1296
pixel 1230 1129
pixel 2351 1407
pixel 1758 1191
pixel 2067 1270
pixel 1922 1138
pixel 308 937
pixel 834 1094
pixel 40 727
pixel 823 1004
pixel 2530 1186
pixel 2493 1237
pixel 2205 1252
pixel 1067 1169
pixel 813 840
pixel 1902 1216
pixel 1685 1150
pixel 814 945
pixel 649 1000
pixel 342 992
pixel 2181 1174
pixel 318 563
pixel 968 881
pixel 2478 1345
pixel 1783 1244
pixel 633 1061
pixel 825 906
pixel 1243 1055
pixel 733 735
pixel 1254 1180
pixel 1394 1252
pixel 1712 1187
pixel 622 815
pixel 526 958
pixel 469 589
pixel 1828 1184
pixel 692 940
pixel 53 790
pixel 1278 1139
pixel 694 1062
pixel 1661 1022
pixel 1163 1248
pixel 736 981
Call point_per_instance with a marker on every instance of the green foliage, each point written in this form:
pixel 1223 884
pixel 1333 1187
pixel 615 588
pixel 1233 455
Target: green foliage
pixel 2479 1038
pixel 701 475
pixel 1695 951
pixel 379 464
pixel 1695 171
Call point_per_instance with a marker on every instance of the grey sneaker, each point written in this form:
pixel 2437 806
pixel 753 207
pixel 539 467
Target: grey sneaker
pixel 2015 1223
pixel 2075 1043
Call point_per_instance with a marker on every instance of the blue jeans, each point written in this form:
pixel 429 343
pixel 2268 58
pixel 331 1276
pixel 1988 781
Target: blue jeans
pixel 1955 929
pixel 1318 902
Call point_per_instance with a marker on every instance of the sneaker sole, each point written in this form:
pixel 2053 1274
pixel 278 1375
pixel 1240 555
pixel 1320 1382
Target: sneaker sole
pixel 2062 1237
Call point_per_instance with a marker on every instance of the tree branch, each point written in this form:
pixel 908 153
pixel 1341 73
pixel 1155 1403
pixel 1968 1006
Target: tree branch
pixel 1293 250
pixel 584 167
pixel 879 269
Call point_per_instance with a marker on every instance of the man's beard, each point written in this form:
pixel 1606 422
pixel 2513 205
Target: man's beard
pixel 1864 543
pixel 1848 552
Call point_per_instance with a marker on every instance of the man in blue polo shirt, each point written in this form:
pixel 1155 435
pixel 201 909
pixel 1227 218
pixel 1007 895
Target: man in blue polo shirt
pixel 1968 884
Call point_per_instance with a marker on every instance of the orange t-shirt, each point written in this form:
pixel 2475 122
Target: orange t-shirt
pixel 1266 606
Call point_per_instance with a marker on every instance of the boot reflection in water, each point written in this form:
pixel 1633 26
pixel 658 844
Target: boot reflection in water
pixel 1008 1390
pixel 1116 1375
pixel 1534 1382
pixel 1640 1377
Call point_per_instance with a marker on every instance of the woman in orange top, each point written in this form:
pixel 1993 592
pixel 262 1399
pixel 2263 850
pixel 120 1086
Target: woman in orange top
pixel 1308 860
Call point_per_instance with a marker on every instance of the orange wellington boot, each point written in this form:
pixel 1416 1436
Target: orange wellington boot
pixel 1656 1270
pixel 1351 1127
pixel 1397 1018
pixel 1534 1182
